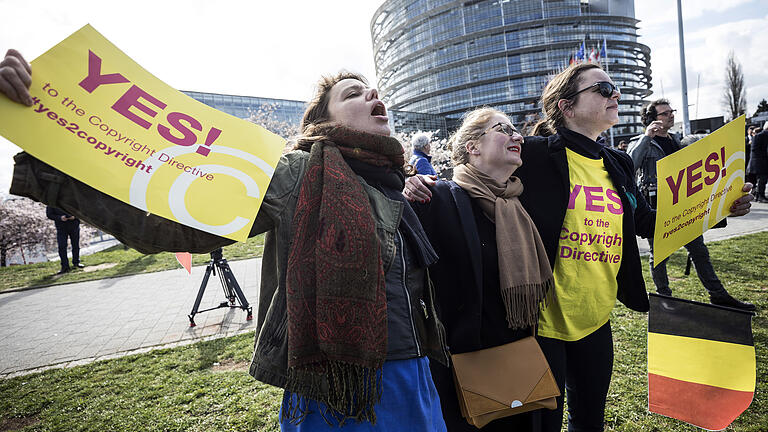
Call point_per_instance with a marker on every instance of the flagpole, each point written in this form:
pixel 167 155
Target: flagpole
pixel 684 81
pixel 607 72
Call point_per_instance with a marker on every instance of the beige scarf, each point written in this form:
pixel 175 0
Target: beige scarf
pixel 524 271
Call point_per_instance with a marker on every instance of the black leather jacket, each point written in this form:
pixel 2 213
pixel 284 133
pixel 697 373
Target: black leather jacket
pixel 645 151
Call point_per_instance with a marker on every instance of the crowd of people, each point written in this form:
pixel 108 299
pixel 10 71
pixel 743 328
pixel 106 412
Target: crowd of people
pixel 372 276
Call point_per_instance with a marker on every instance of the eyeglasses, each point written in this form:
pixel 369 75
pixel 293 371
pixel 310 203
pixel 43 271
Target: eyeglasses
pixel 503 128
pixel 666 113
pixel 605 88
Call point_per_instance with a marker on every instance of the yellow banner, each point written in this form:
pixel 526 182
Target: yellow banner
pixel 696 187
pixel 101 118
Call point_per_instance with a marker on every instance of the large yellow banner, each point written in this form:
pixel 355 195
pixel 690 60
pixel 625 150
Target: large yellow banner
pixel 696 187
pixel 101 118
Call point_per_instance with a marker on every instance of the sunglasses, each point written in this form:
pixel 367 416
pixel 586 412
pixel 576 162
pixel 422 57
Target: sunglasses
pixel 503 128
pixel 666 113
pixel 605 88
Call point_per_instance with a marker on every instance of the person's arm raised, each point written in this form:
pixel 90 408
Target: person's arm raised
pixel 16 77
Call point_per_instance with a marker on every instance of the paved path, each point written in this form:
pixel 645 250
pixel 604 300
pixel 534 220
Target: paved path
pixel 81 322
pixel 72 324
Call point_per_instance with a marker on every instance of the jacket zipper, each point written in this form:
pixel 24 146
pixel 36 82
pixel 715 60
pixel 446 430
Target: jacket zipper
pixel 407 294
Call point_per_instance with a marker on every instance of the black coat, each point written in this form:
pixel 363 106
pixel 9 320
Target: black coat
pixel 450 223
pixel 545 177
pixel 55 215
pixel 758 161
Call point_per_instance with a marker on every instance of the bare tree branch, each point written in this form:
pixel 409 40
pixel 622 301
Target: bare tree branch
pixel 735 92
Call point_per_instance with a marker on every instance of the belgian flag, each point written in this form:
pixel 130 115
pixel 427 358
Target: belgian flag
pixel 701 361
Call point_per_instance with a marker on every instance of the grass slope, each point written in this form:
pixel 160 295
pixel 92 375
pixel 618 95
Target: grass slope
pixel 206 387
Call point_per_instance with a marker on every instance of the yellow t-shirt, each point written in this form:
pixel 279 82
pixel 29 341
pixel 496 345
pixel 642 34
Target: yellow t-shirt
pixel 588 254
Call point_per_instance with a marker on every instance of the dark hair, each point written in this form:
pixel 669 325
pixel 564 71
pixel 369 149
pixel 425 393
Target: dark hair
pixel 649 113
pixel 316 115
pixel 561 85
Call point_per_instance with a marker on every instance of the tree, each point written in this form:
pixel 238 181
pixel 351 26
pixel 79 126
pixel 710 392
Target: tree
pixel 24 227
pixel 23 224
pixel 762 107
pixel 735 92
pixel 266 117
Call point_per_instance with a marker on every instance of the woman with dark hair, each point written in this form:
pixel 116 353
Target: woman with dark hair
pixel 493 270
pixel 346 316
pixel 575 189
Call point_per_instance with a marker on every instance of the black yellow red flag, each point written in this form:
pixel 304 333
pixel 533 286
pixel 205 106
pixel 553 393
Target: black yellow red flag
pixel 701 361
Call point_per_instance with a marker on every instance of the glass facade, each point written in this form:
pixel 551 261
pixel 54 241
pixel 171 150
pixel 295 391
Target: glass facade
pixel 445 57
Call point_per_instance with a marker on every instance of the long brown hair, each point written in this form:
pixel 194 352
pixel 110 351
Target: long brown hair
pixel 316 115
pixel 563 84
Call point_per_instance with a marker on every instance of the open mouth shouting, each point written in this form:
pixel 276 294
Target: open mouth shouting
pixel 379 111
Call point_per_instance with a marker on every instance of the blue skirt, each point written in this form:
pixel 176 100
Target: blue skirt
pixel 409 402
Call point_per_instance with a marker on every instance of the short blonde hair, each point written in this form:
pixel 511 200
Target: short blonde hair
pixel 473 124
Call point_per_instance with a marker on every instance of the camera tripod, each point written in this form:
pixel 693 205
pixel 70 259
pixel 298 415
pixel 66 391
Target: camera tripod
pixel 232 291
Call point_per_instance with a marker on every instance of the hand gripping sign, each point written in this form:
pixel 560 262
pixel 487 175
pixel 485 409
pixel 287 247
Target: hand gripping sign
pixel 696 187
pixel 104 120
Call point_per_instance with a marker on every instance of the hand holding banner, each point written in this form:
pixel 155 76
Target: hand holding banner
pixel 102 119
pixel 696 187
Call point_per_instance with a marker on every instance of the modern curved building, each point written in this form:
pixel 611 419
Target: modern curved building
pixel 446 56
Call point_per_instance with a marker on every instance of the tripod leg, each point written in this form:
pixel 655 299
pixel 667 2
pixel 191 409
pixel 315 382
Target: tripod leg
pixel 232 285
pixel 200 292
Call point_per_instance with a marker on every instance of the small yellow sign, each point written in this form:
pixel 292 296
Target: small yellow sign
pixel 696 187
pixel 101 118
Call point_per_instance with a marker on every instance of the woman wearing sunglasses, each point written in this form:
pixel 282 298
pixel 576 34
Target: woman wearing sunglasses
pixel 493 270
pixel 582 198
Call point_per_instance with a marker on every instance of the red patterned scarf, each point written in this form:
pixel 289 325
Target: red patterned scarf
pixel 336 298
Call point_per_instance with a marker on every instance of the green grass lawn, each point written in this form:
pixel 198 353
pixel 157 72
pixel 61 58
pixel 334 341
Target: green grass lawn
pixel 205 386
pixel 113 262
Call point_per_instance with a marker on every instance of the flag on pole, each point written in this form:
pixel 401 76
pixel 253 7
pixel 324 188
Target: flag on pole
pixel 604 50
pixel 581 53
pixel 701 362
pixel 592 56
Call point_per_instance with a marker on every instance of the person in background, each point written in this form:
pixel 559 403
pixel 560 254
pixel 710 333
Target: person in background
pixel 67 227
pixel 646 150
pixel 748 146
pixel 622 145
pixel 758 162
pixel 421 159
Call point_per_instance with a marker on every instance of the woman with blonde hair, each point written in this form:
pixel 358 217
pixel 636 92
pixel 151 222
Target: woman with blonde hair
pixel 346 317
pixel 493 270
pixel 576 188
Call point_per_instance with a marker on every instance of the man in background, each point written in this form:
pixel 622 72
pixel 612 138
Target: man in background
pixel 758 162
pixel 645 150
pixel 421 160
pixel 67 227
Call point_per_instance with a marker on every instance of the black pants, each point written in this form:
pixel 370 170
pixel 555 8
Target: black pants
pixel 71 232
pixel 762 179
pixel 583 368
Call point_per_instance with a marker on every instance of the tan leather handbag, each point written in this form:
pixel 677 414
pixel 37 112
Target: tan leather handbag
pixel 502 381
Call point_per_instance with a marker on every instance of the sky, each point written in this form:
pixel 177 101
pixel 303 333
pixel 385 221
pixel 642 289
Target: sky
pixel 278 49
